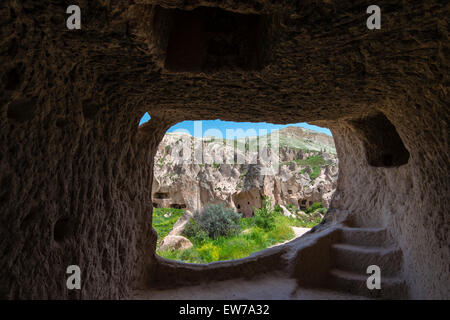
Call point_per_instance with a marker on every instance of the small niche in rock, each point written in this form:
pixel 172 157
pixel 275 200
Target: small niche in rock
pixel 90 110
pixel 62 230
pixel 13 78
pixel 161 195
pixel 382 143
pixel 22 110
pixel 208 39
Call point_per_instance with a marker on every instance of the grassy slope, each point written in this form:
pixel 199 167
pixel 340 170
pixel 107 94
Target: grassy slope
pixel 162 224
pixel 250 239
pixel 284 141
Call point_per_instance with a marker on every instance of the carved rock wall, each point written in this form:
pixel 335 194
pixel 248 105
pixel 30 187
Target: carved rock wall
pixel 75 169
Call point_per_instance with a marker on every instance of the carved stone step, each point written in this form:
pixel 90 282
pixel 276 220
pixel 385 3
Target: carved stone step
pixel 357 259
pixel 354 283
pixel 375 237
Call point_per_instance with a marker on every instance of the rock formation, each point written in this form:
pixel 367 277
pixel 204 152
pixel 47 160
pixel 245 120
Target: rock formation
pixel 171 242
pixel 76 170
pixel 180 183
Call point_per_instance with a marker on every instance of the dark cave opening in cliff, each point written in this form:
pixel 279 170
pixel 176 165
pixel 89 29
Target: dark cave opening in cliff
pixel 208 39
pixel 290 171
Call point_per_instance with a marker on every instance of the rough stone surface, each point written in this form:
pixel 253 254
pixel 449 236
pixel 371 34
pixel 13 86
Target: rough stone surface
pixel 75 168
pixel 180 225
pixel 171 242
pixel 183 181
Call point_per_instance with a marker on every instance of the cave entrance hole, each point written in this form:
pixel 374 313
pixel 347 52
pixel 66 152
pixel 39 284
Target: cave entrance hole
pixel 210 39
pixel 193 171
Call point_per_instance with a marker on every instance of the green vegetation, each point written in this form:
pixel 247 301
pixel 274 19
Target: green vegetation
pixel 216 165
pixel 163 224
pixel 215 220
pixel 316 162
pixel 315 173
pixel 265 217
pixel 243 236
pixel 251 239
pixel 161 161
pixel 243 174
pixel 313 161
pixel 315 206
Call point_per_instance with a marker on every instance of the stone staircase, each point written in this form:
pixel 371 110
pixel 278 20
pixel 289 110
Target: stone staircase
pixel 359 248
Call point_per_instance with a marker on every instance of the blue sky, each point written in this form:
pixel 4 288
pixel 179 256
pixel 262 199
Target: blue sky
pixel 217 127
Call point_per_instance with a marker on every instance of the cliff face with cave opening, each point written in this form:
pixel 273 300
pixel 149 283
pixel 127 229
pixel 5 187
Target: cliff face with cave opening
pixel 75 168
pixel 239 173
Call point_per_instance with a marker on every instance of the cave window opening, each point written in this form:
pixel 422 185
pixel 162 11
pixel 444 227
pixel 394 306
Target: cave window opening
pixel 382 143
pixel 161 195
pixel 186 181
pixel 302 204
pixel 178 206
pixel 145 118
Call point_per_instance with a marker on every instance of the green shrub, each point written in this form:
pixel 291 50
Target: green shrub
pixel 278 209
pixel 264 217
pixel 209 252
pixel 268 227
pixel 281 232
pixel 246 223
pixel 291 207
pixel 215 220
pixel 314 207
pixel 316 172
pixel 194 231
pixel 257 236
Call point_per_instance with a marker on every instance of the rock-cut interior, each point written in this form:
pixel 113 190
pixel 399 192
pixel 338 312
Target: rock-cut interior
pixel 76 169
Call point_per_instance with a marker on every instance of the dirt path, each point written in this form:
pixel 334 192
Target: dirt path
pixel 298 233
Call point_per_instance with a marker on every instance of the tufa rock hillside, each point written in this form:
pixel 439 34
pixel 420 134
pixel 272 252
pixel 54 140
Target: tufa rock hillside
pixel 307 171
